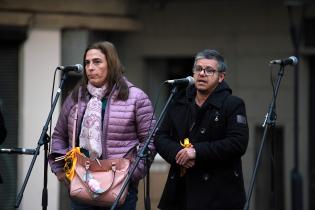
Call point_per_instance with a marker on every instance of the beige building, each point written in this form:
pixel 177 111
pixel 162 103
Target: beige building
pixel 157 40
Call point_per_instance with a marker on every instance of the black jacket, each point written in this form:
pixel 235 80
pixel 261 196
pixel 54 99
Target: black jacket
pixel 219 132
pixel 3 131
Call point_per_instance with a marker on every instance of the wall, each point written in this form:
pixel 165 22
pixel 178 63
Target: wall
pixel 40 55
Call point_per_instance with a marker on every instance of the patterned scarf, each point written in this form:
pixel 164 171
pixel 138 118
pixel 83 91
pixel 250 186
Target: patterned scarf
pixel 90 136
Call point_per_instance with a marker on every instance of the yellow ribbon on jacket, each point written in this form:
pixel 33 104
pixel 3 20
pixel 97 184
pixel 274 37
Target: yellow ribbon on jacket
pixel 70 162
pixel 186 144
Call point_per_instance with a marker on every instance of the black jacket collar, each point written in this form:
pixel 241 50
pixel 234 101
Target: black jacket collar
pixel 216 99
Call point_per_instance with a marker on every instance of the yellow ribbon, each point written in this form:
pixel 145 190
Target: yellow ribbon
pixel 70 162
pixel 186 144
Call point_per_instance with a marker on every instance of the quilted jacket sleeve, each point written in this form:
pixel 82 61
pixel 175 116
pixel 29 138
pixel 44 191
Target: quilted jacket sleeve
pixel 145 121
pixel 60 137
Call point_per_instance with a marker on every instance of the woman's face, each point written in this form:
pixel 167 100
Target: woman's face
pixel 96 67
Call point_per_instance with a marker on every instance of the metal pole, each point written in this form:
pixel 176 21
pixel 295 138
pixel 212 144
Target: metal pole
pixel 296 32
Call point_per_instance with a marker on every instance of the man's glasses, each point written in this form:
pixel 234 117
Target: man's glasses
pixel 208 70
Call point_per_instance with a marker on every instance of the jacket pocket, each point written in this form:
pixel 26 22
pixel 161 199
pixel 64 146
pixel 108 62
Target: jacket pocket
pixel 170 188
pixel 228 189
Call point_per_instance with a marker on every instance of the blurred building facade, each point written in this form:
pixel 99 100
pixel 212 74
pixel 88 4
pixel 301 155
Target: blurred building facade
pixel 157 40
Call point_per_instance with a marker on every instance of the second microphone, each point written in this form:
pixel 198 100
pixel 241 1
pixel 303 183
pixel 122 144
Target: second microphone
pixel 183 81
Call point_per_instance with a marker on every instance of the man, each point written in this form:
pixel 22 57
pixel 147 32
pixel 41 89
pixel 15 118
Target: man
pixel 206 170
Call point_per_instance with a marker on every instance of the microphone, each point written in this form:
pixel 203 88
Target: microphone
pixel 18 151
pixel 292 60
pixel 78 68
pixel 184 81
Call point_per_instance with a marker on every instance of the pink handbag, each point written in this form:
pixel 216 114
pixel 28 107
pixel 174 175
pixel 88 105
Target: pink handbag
pixel 97 182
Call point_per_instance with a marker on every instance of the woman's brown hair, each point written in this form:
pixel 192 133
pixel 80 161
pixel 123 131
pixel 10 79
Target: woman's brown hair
pixel 115 71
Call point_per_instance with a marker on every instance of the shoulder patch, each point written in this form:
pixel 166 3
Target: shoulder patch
pixel 241 119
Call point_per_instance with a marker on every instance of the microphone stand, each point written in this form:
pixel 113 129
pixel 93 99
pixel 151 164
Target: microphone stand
pixel 296 30
pixel 147 200
pixel 269 122
pixel 143 151
pixel 44 139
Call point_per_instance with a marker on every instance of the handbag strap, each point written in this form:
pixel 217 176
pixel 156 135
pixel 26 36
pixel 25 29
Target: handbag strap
pixel 74 127
pixel 74 134
pixel 130 153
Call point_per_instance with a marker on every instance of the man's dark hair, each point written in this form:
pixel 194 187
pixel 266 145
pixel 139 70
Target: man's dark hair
pixel 212 54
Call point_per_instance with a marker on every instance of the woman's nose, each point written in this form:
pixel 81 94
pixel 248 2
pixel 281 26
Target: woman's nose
pixel 89 67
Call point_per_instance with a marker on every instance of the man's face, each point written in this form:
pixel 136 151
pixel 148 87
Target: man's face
pixel 206 75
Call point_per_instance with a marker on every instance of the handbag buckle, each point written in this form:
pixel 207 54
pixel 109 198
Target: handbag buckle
pixel 113 166
pixel 87 165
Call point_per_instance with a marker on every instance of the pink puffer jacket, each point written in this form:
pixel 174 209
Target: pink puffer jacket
pixel 126 125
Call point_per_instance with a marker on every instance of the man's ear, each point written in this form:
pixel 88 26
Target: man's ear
pixel 221 76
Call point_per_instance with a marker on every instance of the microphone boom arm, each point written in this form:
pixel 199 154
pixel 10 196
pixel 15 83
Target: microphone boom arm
pixel 19 151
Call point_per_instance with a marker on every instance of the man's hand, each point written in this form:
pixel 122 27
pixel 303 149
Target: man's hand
pixel 184 155
pixel 189 164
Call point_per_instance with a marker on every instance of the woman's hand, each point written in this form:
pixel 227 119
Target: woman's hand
pixel 61 176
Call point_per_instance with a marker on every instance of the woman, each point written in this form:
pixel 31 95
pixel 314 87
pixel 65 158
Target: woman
pixel 122 114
